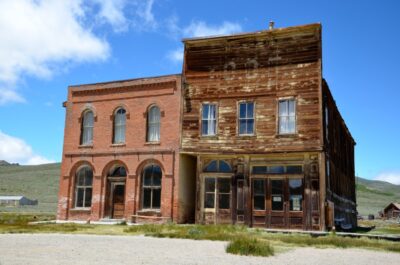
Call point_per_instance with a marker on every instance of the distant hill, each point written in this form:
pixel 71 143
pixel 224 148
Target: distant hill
pixel 5 163
pixel 41 182
pixel 35 182
pixel 374 195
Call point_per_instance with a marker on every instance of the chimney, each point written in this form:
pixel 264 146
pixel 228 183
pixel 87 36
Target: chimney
pixel 271 25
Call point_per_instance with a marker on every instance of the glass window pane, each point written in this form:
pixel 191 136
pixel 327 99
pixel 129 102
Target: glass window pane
pixel 157 180
pixel 146 198
pixel 294 169
pixel 283 124
pixel 79 197
pixel 291 126
pixel 276 170
pixel 224 185
pixel 260 170
pixel 277 203
pixel 224 201
pixel 204 127
pixel 80 178
pixel 156 198
pixel 224 167
pixel 250 110
pixel 259 202
pixel 209 200
pixel 212 108
pixel 211 167
pixel 210 184
pixel 88 197
pixel 296 194
pixel 88 180
pixel 283 108
pixel 205 111
pixel 250 126
pixel 259 186
pixel 147 180
pixel 242 126
pixel 292 107
pixel 242 110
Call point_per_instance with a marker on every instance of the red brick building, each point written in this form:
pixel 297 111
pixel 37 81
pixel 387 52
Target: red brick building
pixel 120 157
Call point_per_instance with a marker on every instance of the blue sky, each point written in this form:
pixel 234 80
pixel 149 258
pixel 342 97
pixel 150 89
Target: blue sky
pixel 48 45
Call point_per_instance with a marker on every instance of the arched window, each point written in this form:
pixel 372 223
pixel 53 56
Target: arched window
pixel 153 124
pixel 87 128
pixel 83 187
pixel 119 126
pixel 151 187
pixel 218 166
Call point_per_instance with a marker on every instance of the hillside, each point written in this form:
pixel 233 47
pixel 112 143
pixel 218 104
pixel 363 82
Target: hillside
pixel 41 182
pixel 35 182
pixel 373 195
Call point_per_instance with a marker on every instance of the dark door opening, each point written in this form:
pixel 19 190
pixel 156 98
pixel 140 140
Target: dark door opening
pixel 118 200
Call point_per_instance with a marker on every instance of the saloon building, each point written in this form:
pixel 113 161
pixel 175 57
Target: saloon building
pixel 248 134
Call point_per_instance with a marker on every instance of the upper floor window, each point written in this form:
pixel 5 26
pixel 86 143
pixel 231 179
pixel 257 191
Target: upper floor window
pixel 246 118
pixel 83 187
pixel 287 116
pixel 87 128
pixel 208 120
pixel 153 124
pixel 119 126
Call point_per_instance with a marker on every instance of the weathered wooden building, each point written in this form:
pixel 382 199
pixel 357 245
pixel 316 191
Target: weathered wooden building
pixel 251 135
pixel 392 211
pixel 262 132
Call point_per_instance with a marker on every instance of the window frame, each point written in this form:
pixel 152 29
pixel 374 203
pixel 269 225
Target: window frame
pixel 216 192
pixel 152 187
pixel 278 123
pixel 238 119
pixel 155 124
pixel 84 187
pixel 85 127
pixel 119 125
pixel 216 119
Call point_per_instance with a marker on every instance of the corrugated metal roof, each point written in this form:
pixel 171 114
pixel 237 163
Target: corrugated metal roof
pixel 3 198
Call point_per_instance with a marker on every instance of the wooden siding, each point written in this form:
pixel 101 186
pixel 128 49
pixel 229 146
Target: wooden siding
pixel 339 146
pixel 261 67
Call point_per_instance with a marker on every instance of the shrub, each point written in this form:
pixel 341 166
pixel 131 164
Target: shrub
pixel 250 246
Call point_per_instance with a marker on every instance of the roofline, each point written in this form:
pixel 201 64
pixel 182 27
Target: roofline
pixel 123 80
pixel 337 108
pixel 244 34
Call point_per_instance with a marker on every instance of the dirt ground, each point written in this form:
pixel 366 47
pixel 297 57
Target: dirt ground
pixel 93 249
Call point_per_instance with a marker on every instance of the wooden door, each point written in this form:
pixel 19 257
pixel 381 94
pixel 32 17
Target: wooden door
pixel 278 203
pixel 118 201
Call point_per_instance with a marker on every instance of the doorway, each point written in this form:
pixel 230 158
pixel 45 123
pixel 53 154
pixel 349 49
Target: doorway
pixel 118 200
pixel 115 193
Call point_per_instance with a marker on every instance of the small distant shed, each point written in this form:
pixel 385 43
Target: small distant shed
pixel 16 201
pixel 392 211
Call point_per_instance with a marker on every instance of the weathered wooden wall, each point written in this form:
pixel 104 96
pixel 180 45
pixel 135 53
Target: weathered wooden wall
pixel 261 67
pixel 339 146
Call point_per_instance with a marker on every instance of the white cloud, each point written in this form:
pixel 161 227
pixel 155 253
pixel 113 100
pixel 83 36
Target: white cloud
pixel 37 37
pixel 176 55
pixel 144 11
pixel 201 29
pixel 197 29
pixel 15 150
pixel 112 11
pixel 392 177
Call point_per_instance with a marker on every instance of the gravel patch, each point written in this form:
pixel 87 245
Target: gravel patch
pixel 95 249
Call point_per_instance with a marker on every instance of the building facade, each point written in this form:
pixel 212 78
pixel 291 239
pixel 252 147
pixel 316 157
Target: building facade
pixel 121 151
pixel 256 135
